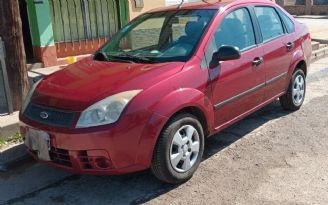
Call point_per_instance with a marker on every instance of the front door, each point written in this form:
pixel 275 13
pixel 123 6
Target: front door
pixel 237 85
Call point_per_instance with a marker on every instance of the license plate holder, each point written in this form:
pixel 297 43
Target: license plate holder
pixel 38 141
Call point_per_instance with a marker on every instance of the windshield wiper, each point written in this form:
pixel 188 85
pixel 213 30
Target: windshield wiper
pixel 137 59
pixel 101 56
pixel 119 59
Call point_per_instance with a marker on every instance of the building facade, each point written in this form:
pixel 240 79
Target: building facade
pixel 305 7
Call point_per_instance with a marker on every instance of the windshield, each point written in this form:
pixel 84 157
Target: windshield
pixel 158 37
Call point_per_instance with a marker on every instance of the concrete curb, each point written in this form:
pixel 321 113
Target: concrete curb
pixel 321 41
pixel 319 54
pixel 12 155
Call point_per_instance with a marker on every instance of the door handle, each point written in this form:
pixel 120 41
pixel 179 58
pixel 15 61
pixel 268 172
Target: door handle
pixel 290 45
pixel 258 61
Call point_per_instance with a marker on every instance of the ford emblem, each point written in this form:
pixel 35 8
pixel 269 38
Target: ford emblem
pixel 44 115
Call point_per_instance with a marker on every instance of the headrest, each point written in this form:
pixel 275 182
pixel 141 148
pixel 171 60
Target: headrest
pixel 193 28
pixel 233 23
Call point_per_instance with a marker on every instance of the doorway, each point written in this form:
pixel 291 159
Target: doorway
pixel 26 32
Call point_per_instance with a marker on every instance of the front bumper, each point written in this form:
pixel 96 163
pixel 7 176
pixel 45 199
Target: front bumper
pixel 115 149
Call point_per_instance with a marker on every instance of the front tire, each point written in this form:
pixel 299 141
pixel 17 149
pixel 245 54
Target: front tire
pixel 294 97
pixel 179 149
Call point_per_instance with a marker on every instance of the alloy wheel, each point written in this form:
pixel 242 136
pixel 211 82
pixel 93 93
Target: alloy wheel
pixel 298 90
pixel 185 148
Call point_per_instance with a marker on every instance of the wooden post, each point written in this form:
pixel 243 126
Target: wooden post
pixel 12 35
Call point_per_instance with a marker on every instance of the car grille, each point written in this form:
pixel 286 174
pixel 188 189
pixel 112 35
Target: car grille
pixel 55 118
pixel 60 156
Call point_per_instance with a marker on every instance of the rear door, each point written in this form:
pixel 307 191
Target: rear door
pixel 237 85
pixel 277 47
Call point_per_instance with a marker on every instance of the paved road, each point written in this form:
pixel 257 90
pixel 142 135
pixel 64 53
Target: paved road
pixel 272 157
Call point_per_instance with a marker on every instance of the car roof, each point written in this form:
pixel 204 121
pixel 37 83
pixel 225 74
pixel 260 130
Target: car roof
pixel 210 4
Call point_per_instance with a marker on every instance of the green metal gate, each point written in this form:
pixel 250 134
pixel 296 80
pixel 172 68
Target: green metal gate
pixel 78 20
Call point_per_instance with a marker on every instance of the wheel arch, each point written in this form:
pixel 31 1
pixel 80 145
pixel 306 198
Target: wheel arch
pixel 186 100
pixel 298 62
pixel 191 101
pixel 198 113
pixel 301 65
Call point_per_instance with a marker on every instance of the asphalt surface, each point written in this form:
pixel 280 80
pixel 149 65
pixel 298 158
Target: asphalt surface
pixel 271 157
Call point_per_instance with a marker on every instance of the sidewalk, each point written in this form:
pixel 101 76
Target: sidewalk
pixel 318 26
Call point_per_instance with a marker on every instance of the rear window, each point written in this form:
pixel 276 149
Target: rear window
pixel 270 23
pixel 287 21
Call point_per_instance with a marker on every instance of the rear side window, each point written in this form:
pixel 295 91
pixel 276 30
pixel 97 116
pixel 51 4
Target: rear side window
pixel 288 22
pixel 236 29
pixel 270 23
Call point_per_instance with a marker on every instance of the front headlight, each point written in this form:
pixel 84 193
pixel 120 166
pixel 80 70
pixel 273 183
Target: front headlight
pixel 106 111
pixel 29 95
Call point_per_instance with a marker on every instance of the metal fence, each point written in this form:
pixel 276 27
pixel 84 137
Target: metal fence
pixel 78 20
pixel 5 98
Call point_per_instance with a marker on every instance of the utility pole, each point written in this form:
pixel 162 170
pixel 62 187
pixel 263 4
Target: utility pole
pixel 12 35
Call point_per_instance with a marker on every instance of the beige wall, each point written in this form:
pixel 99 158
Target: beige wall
pixel 148 5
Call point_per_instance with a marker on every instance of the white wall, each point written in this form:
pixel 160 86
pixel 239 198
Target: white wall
pixel 176 2
pixel 148 5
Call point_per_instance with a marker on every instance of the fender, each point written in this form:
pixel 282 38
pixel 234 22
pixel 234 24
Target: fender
pixel 178 99
pixel 298 56
pixel 182 98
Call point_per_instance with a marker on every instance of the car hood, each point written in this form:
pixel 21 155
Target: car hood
pixel 81 84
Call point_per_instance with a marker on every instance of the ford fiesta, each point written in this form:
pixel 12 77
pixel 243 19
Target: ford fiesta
pixel 170 78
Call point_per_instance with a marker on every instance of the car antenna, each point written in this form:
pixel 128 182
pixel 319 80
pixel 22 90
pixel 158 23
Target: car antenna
pixel 180 5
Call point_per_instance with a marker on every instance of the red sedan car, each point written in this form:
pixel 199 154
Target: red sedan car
pixel 170 78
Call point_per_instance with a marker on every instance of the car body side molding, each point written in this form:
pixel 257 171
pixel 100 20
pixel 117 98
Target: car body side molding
pixel 247 92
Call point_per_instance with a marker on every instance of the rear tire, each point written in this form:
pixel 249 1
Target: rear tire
pixel 294 97
pixel 179 149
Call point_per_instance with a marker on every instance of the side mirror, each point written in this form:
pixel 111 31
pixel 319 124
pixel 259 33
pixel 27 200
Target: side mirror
pixel 225 53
